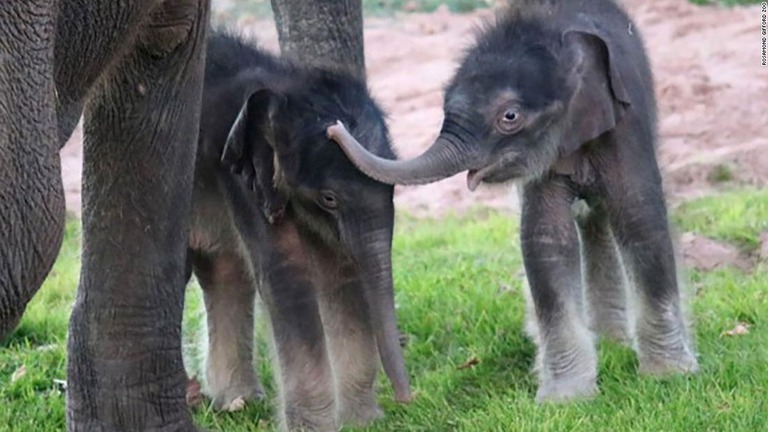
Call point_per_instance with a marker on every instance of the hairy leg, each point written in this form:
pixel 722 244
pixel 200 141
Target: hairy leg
pixel 229 292
pixel 604 276
pixel 638 217
pixel 351 342
pixel 125 369
pixel 567 359
pixel 31 193
pixel 304 369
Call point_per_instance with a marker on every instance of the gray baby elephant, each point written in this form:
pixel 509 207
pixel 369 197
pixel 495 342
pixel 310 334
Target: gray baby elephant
pixel 558 96
pixel 289 215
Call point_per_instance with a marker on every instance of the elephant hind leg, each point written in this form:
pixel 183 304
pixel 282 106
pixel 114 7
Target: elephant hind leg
pixel 604 276
pixel 229 293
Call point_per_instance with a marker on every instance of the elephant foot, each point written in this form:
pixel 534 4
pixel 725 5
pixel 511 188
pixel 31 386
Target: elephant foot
pixel 235 398
pixel 194 394
pixel 77 425
pixel 664 349
pixel 615 331
pixel 677 362
pixel 563 390
pixel 608 319
pixel 314 420
pixel 360 414
pixel 567 367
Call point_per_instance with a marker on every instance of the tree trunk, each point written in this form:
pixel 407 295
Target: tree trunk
pixel 325 33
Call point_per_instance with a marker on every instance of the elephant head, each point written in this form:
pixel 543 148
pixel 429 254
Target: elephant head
pixel 525 96
pixel 278 142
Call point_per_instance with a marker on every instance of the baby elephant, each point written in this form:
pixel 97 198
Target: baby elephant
pixel 288 214
pixel 558 95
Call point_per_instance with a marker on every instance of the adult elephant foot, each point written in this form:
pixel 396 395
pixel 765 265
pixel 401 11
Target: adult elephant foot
pixel 116 386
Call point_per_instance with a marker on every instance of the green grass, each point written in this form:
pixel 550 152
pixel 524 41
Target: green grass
pixel 459 298
pixel 738 217
pixel 34 402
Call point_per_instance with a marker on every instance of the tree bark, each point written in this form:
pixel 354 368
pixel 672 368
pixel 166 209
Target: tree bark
pixel 324 33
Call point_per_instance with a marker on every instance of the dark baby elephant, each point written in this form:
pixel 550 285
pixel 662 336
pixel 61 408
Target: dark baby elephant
pixel 134 68
pixel 315 238
pixel 558 96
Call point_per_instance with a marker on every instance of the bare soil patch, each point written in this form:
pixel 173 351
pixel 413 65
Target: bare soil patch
pixel 705 254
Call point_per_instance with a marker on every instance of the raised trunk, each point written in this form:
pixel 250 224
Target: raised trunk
pixel 443 159
pixel 325 33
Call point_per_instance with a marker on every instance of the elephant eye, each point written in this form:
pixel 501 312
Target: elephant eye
pixel 328 200
pixel 510 121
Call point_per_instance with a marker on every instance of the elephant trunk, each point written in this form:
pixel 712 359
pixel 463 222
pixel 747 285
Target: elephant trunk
pixel 443 159
pixel 375 263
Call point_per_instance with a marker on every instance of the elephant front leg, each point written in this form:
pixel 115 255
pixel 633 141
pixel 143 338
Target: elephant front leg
pixel 352 346
pixel 304 370
pixel 229 293
pixel 125 369
pixel 567 360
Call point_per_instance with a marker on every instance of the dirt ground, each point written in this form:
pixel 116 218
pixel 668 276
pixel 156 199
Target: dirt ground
pixel 712 92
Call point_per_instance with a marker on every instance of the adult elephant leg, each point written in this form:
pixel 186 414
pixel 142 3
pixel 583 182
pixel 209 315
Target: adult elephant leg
pixel 606 289
pixel 31 193
pixel 90 35
pixel 125 369
pixel 567 360
pixel 351 341
pixel 326 33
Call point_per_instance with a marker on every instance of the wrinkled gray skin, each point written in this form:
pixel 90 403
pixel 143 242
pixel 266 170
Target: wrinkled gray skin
pixel 315 238
pixel 134 68
pixel 558 96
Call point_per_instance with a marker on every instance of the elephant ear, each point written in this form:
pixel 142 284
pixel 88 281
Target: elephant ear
pixel 600 93
pixel 253 149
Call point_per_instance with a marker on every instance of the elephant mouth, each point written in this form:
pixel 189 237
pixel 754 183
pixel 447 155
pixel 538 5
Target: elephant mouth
pixel 474 177
pixel 503 169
